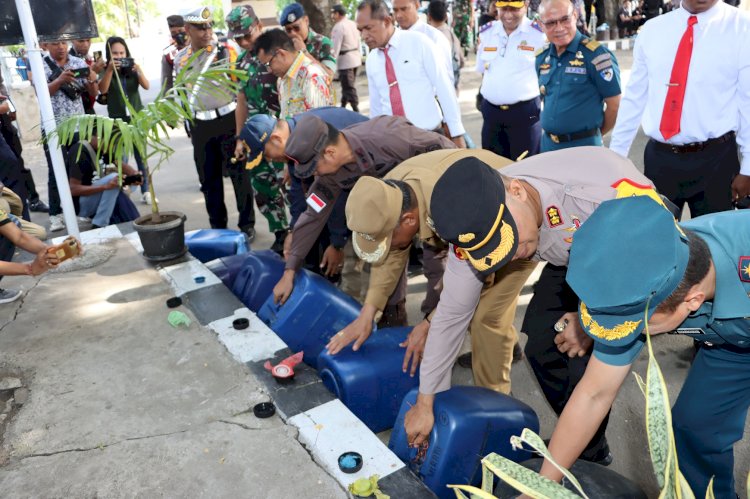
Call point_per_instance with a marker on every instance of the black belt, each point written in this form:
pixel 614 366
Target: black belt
pixel 341 52
pixel 693 146
pixel 506 107
pixel 570 137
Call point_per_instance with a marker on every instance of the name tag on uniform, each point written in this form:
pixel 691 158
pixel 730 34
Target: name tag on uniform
pixel 314 202
pixel 689 330
pixel 527 47
pixel 490 49
pixel 577 71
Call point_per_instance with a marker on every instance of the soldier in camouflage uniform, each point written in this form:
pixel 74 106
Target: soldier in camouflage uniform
pixel 258 95
pixel 463 22
pixel 316 46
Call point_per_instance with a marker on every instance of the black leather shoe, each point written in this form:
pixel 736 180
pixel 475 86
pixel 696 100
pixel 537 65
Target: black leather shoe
pixel 38 206
pixel 278 244
pixel 250 233
pixel 393 316
pixel 464 360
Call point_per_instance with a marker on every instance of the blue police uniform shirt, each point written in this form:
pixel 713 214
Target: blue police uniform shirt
pixel 574 85
pixel 725 319
pixel 339 118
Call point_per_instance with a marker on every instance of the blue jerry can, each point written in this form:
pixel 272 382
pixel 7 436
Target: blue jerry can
pixel 210 244
pixel 227 268
pixel 315 311
pixel 470 422
pixel 370 381
pixel 260 272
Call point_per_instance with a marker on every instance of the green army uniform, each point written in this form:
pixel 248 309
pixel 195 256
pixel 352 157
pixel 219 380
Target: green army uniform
pixel 573 86
pixel 262 98
pixel 462 22
pixel 320 47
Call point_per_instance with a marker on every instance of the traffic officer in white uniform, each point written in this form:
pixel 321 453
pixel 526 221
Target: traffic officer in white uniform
pixel 510 88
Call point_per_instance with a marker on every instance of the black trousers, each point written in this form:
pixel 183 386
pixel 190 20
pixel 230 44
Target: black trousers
pixel 510 132
pixel 11 175
pixel 701 179
pixel 556 373
pixel 213 146
pixel 348 78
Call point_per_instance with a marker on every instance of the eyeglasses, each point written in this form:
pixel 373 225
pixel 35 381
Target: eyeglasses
pixel 268 64
pixel 562 22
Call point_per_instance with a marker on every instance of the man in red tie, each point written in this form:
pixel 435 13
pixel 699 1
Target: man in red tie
pixel 404 76
pixel 690 89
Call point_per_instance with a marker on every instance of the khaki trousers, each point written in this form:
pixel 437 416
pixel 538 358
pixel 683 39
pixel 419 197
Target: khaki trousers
pixel 493 334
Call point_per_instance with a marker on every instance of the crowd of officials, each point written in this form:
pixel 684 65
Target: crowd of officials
pixel 339 189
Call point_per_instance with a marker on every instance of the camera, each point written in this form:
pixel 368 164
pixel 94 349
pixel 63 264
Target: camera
pixel 132 179
pixel 126 65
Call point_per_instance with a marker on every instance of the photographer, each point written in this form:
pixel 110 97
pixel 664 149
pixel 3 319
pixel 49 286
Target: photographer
pixel 126 85
pixel 95 63
pixel 95 192
pixel 68 77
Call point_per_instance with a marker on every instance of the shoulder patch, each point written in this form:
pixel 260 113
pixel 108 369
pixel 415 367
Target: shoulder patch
pixel 590 44
pixel 536 26
pixel 485 27
pixel 744 268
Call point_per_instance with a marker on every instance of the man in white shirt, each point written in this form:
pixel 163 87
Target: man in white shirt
pixel 403 75
pixel 510 88
pixel 346 41
pixel 406 14
pixel 697 118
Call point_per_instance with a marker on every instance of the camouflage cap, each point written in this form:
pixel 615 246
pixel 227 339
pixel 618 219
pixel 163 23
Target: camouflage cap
pixel 241 20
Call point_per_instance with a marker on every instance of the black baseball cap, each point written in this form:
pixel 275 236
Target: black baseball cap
pixel 469 211
pixel 306 142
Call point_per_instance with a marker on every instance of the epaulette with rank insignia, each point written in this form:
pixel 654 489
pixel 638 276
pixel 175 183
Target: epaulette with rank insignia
pixel 485 27
pixel 541 50
pixel 590 44
pixel 535 24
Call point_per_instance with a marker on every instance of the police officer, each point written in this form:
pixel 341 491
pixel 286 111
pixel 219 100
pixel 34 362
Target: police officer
pixel 510 90
pixel 258 95
pixel 212 131
pixel 318 47
pixel 265 138
pixel 691 279
pixel 385 215
pixel 493 223
pixel 338 159
pixel 579 81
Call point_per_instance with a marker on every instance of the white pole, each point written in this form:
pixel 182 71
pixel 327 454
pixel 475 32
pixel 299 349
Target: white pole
pixel 48 116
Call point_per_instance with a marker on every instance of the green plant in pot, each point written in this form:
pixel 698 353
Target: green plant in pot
pixel 162 233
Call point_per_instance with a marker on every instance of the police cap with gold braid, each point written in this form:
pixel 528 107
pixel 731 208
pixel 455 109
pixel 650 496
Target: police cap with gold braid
pixel 516 4
pixel 630 253
pixel 201 15
pixel 468 210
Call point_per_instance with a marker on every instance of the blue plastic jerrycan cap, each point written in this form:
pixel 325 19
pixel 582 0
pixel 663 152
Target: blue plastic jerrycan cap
pixel 350 462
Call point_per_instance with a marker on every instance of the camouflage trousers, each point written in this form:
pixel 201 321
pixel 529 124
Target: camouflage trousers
pixel 461 29
pixel 270 195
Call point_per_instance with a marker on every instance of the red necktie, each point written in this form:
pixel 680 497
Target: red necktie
pixel 397 105
pixel 670 117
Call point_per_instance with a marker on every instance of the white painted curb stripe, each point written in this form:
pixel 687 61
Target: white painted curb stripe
pixel 181 277
pixel 331 429
pixel 257 342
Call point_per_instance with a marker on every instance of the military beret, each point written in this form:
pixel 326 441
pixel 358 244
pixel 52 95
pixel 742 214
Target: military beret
pixel 291 13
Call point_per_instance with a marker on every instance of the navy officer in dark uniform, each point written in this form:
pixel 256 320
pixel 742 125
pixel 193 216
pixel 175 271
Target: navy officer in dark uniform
pixel 579 81
pixel 631 263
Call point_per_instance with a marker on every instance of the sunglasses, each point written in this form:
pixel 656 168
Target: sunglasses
pixel 562 22
pixel 289 28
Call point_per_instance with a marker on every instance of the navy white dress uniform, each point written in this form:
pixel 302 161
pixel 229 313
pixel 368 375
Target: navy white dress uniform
pixel 510 89
pixel 468 211
pixel 697 165
pixel 573 86
pixel 213 135
pixel 651 255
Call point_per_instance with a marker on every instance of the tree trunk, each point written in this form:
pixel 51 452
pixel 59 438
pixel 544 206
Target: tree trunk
pixel 319 12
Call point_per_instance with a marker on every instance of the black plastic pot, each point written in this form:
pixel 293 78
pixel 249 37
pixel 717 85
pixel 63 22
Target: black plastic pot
pixel 596 481
pixel 162 241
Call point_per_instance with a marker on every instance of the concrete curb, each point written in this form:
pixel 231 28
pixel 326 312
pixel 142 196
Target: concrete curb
pixel 623 44
pixel 326 428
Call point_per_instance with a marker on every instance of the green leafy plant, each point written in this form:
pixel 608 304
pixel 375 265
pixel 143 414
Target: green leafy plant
pixel 147 132
pixel 661 445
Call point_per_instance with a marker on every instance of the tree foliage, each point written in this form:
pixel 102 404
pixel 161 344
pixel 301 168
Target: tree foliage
pixel 122 17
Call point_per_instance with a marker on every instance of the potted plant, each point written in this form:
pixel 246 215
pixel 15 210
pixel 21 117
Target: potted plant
pixel 162 233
